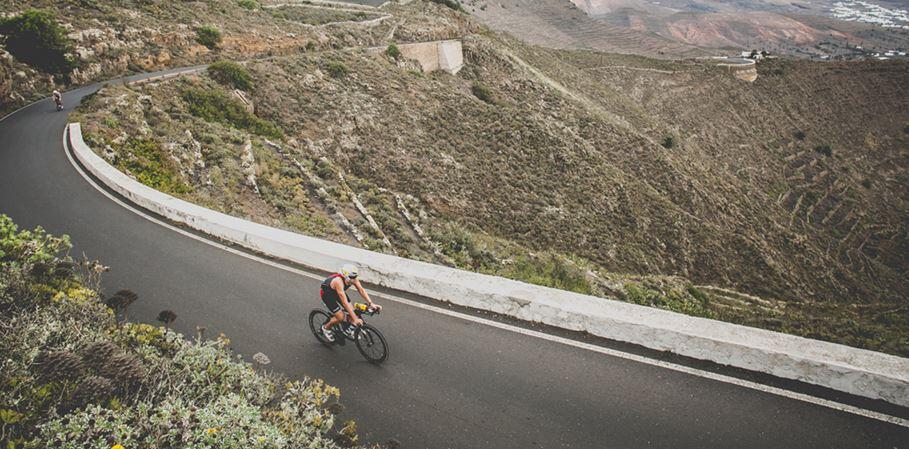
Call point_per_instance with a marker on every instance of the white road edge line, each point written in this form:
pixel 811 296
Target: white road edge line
pixel 508 327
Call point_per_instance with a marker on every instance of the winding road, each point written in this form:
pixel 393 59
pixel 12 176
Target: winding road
pixel 454 379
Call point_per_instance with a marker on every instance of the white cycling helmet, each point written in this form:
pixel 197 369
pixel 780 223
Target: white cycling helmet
pixel 349 271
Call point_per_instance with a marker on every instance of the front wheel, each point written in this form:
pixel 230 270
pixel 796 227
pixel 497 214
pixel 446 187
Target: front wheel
pixel 371 344
pixel 317 319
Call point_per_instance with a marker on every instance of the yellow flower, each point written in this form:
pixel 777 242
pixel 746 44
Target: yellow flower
pixel 116 446
pixel 212 430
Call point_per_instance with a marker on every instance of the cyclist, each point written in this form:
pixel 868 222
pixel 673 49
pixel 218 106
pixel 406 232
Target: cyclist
pixel 58 99
pixel 334 295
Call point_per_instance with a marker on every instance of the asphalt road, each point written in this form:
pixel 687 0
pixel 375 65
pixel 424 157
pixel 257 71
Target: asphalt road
pixel 449 383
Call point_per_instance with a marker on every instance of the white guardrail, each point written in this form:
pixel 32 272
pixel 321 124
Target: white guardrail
pixel 856 371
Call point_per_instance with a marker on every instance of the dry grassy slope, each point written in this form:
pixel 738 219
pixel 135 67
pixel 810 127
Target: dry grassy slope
pixel 741 172
pixel 559 172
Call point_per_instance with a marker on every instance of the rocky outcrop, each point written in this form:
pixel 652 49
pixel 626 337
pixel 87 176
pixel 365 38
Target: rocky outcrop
pixel 248 165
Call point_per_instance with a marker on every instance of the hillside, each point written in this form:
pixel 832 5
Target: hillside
pixel 111 38
pixel 823 29
pixel 666 183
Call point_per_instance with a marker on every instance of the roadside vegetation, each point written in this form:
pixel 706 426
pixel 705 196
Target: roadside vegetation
pixel 218 106
pixel 146 161
pixel 231 74
pixel 35 37
pixel 75 376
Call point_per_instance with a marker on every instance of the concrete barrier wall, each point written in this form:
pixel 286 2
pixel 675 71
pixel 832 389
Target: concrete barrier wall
pixel 438 55
pixel 860 372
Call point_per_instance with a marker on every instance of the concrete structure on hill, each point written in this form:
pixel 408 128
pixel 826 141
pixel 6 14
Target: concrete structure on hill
pixel 742 68
pixel 437 55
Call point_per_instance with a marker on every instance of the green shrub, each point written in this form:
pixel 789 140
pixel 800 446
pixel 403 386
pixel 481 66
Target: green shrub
pixel 337 69
pixel 668 142
pixel 217 106
pixel 34 38
pixel 690 301
pixel 483 93
pixel 324 170
pixel 549 271
pixel 230 73
pixel 310 46
pixel 393 51
pixel 148 162
pixel 464 248
pixel 249 4
pixel 208 36
pixel 74 376
pixel 800 135
pixel 824 149
pixel 28 247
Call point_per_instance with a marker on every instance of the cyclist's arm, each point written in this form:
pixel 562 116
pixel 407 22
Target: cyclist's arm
pixel 339 287
pixel 363 293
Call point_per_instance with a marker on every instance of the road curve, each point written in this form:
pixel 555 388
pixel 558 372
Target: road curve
pixel 449 383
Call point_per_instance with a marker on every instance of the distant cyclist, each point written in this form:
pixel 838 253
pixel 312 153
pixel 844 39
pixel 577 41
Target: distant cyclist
pixel 58 99
pixel 334 295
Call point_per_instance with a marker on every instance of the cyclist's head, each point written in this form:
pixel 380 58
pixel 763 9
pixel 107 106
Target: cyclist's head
pixel 349 271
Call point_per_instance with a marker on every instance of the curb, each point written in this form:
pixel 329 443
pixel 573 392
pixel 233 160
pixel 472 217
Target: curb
pixel 856 371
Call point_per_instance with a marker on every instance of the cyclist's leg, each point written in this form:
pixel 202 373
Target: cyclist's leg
pixel 336 318
pixel 331 300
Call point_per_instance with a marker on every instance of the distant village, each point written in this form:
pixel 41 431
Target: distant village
pixel 887 38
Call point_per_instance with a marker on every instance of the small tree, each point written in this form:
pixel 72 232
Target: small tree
pixel 208 36
pixel 35 38
pixel 337 69
pixel 824 149
pixel 800 135
pixel 483 93
pixel 668 142
pixel 231 74
pixel 393 51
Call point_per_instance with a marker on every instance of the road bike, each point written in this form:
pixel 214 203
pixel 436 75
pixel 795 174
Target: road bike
pixel 370 342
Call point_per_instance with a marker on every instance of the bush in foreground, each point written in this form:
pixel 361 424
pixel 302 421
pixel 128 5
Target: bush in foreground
pixel 35 38
pixel 74 377
pixel 231 74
